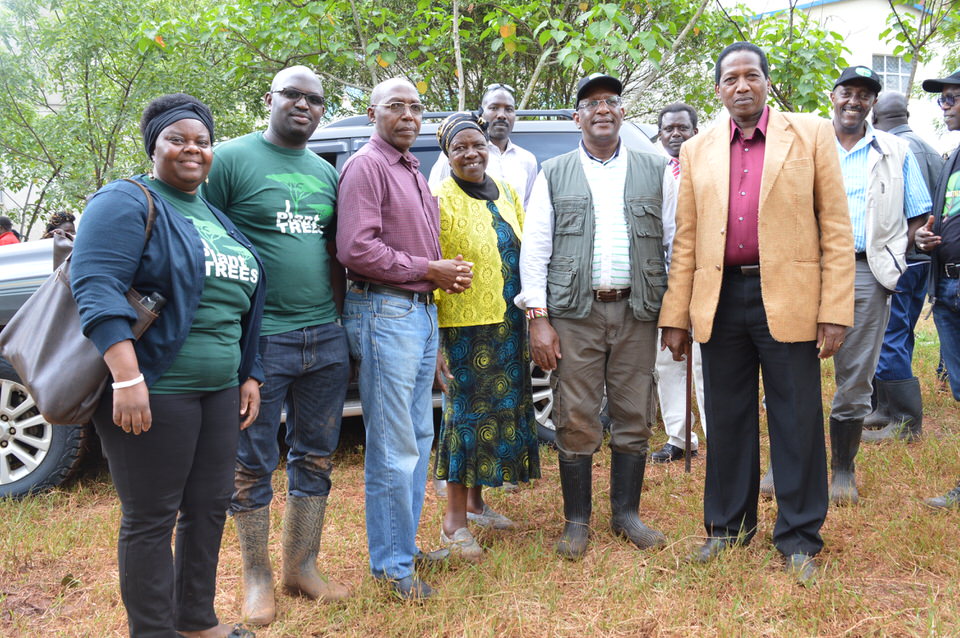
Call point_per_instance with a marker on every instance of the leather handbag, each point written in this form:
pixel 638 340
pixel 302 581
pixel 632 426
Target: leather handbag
pixel 61 368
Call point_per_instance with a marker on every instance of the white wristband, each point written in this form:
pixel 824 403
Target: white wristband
pixel 119 385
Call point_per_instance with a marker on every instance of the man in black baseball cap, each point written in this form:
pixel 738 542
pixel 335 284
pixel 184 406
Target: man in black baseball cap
pixel 597 80
pixel 860 74
pixel 884 220
pixel 592 272
pixel 937 86
pixel 941 238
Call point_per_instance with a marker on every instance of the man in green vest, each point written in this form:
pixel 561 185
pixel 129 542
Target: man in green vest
pixel 593 275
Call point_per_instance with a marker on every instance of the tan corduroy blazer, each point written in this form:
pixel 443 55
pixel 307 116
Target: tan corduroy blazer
pixel 806 244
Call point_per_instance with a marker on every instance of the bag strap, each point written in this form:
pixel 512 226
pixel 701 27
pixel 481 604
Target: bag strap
pixel 151 209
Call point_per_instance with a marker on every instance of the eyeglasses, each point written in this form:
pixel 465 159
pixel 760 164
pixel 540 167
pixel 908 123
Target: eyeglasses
pixel 591 105
pixel 398 108
pixel 947 101
pixel 294 96
pixel 498 85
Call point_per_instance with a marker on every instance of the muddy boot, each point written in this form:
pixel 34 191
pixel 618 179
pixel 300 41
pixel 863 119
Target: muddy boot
pixel 253 531
pixel 880 416
pixel 766 483
pixel 844 443
pixel 575 482
pixel 906 412
pixel 626 483
pixel 302 526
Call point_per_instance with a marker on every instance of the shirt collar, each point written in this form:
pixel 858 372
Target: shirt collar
pixel 867 140
pixel 761 125
pixel 615 155
pixel 392 155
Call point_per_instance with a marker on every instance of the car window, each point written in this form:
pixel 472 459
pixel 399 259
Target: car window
pixel 544 144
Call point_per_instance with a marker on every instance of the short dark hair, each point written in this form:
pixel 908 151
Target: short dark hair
pixel 164 103
pixel 58 219
pixel 741 46
pixel 678 107
pixel 6 222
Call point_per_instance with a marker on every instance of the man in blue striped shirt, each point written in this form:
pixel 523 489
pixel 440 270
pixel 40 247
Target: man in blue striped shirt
pixel 888 201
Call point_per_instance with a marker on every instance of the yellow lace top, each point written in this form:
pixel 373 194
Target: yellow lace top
pixel 466 229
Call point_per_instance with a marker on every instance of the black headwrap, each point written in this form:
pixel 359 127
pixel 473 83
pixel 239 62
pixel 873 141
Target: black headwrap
pixel 182 112
pixel 456 123
pixel 449 128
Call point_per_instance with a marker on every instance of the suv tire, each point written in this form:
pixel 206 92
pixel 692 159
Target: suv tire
pixel 34 455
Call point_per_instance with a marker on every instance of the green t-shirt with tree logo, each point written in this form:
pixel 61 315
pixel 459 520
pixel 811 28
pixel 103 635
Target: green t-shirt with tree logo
pixel 210 356
pixel 284 201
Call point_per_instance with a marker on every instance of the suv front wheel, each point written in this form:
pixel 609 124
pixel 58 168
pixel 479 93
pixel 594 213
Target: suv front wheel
pixel 34 455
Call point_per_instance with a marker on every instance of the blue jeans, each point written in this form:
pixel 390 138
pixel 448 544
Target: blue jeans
pixel 308 370
pixel 394 340
pixel 896 355
pixel 946 316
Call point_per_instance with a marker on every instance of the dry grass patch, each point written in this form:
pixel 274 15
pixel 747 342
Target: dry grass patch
pixel 891 565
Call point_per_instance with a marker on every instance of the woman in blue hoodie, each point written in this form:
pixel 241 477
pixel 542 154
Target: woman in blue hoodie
pixel 181 393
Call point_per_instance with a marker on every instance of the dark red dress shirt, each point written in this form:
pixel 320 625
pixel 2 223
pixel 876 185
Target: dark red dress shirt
pixel 746 172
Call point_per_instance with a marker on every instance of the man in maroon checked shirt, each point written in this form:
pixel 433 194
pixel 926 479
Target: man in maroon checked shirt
pixel 388 238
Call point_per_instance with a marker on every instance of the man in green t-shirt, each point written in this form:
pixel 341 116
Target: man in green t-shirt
pixel 283 198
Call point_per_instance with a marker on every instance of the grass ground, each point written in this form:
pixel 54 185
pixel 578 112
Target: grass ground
pixel 891 565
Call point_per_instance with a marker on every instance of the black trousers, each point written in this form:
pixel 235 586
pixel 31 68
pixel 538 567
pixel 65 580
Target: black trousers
pixel 178 474
pixel 739 347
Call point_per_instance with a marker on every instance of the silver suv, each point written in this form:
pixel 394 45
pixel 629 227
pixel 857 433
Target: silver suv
pixel 35 456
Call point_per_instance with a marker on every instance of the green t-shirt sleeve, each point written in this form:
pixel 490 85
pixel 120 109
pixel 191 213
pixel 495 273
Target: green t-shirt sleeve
pixel 214 189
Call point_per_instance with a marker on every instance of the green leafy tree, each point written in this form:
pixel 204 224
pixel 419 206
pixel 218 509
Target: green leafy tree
pixel 918 30
pixel 804 57
pixel 74 78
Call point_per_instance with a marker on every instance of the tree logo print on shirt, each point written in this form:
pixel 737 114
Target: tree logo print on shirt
pixel 302 186
pixel 229 260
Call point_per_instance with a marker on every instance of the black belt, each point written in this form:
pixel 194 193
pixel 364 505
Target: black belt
pixel 611 295
pixel 365 286
pixel 951 271
pixel 753 270
pixel 861 256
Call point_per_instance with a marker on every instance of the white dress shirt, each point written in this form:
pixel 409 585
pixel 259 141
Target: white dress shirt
pixel 537 246
pixel 517 166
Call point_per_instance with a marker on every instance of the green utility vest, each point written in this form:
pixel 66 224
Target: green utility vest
pixel 569 290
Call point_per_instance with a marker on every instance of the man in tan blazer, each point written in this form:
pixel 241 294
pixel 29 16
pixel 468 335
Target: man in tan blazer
pixel 762 273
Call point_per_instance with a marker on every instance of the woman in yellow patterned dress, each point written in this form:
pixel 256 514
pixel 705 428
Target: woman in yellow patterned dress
pixel 488 435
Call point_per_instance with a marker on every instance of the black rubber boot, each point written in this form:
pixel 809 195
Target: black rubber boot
pixel 626 483
pixel 906 412
pixel 880 416
pixel 576 477
pixel 844 443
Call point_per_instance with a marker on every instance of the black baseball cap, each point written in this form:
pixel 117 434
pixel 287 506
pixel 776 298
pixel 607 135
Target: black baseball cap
pixel 597 79
pixel 936 86
pixel 862 73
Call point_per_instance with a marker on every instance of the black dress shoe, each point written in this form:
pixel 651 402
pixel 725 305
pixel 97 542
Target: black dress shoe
pixel 803 568
pixel 668 453
pixel 411 588
pixel 711 549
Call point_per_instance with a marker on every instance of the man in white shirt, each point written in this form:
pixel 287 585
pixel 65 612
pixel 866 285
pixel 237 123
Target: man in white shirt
pixel 677 123
pixel 592 266
pixel 507 161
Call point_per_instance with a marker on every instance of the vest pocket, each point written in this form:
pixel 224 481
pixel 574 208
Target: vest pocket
pixel 561 283
pixel 568 214
pixel 646 218
pixel 654 285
